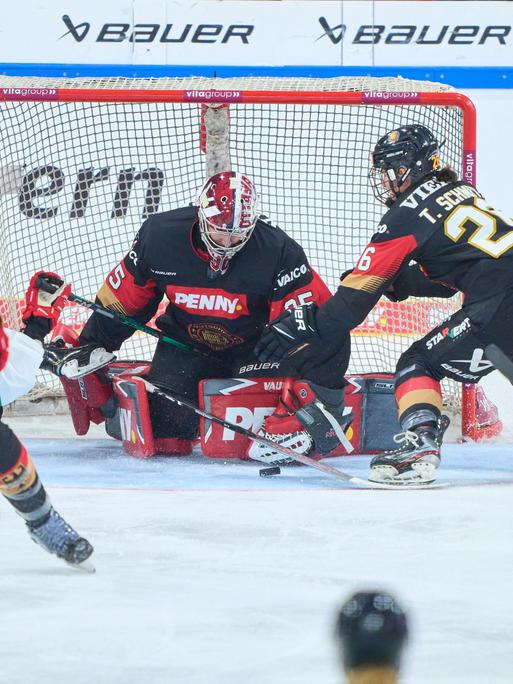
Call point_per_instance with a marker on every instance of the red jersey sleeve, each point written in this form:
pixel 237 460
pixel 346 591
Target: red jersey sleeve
pixel 296 283
pixel 121 292
pixel 130 291
pixel 361 289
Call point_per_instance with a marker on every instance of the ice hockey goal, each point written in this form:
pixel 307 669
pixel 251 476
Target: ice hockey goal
pixel 84 161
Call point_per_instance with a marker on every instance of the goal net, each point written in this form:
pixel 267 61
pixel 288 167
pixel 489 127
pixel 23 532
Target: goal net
pixel 84 161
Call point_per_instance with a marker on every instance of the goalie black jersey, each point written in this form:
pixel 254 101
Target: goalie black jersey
pixel 168 260
pixel 458 240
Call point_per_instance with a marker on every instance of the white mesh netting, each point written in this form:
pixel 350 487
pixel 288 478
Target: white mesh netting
pixel 77 179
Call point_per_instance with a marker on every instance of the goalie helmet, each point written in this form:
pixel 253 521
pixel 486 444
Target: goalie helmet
pixel 407 152
pixel 4 346
pixel 371 629
pixel 227 212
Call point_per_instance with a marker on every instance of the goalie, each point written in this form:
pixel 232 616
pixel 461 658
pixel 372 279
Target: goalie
pixel 226 272
pixel 21 354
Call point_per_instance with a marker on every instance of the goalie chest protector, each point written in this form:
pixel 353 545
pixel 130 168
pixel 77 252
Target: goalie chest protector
pixel 246 402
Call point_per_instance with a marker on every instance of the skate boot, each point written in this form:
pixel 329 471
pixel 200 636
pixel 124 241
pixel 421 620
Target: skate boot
pixel 59 538
pixel 308 419
pixel 415 461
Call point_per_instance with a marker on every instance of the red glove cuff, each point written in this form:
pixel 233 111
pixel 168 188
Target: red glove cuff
pixel 4 348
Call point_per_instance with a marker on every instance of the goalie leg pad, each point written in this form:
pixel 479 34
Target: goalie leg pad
pixel 243 401
pixel 132 423
pixel 250 400
pixel 90 399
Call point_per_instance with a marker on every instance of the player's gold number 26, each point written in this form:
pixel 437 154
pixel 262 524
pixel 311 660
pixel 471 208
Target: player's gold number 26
pixel 484 218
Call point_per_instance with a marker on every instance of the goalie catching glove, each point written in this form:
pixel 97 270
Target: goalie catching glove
pixel 308 419
pixel 46 297
pixel 75 362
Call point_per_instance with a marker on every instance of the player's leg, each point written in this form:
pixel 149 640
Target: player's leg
pixel 452 350
pixel 21 486
pixel 178 371
pixel 310 417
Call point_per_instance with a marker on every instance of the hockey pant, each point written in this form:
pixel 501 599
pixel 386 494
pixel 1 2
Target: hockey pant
pixel 455 350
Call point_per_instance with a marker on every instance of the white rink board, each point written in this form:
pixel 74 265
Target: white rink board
pixel 259 32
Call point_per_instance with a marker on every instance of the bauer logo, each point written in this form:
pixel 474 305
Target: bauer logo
pixel 168 34
pixel 212 96
pixel 415 34
pixel 29 93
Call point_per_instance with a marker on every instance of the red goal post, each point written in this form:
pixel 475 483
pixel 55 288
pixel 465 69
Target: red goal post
pixel 84 161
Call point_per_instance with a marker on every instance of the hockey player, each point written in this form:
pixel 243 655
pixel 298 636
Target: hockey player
pixel 370 632
pixel 226 272
pixel 21 354
pixel 459 241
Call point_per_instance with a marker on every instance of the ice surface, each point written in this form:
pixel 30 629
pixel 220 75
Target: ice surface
pixel 207 573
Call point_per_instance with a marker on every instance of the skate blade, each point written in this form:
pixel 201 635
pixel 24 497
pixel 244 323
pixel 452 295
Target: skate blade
pixel 85 567
pixel 386 476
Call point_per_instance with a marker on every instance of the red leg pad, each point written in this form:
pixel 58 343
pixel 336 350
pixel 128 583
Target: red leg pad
pixel 86 396
pixel 245 402
pixel 135 422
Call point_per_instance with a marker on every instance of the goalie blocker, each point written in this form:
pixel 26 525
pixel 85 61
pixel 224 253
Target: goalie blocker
pixel 117 396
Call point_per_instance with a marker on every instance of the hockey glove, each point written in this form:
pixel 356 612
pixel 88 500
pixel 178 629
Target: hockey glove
pixel 74 362
pixel 45 299
pixel 289 334
pixel 411 281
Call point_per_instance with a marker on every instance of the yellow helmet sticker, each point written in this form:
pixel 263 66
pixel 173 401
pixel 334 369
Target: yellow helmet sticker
pixel 437 164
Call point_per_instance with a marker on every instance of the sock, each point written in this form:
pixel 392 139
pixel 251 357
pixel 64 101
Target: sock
pixel 22 487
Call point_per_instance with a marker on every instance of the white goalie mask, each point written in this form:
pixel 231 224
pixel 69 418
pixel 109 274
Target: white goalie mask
pixel 227 212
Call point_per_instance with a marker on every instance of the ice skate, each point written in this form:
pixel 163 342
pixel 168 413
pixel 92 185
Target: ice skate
pixel 415 462
pixel 309 418
pixel 299 441
pixel 59 538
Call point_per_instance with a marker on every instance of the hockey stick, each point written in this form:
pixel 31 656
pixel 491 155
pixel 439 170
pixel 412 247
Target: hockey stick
pixel 132 323
pixel 126 320
pixel 499 359
pixel 306 460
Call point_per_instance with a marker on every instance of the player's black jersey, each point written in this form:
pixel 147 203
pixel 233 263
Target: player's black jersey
pixel 167 258
pixel 449 230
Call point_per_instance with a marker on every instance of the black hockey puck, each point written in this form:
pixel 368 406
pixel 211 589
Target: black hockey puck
pixel 269 472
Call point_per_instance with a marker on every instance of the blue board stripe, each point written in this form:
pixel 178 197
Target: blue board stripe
pixel 459 77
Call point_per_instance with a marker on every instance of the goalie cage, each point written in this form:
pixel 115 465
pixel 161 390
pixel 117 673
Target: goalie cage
pixel 84 161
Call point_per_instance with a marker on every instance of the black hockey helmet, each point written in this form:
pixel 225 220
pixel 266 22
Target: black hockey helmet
pixel 371 629
pixel 410 151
